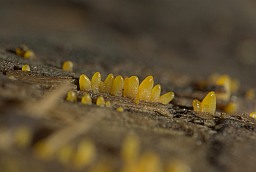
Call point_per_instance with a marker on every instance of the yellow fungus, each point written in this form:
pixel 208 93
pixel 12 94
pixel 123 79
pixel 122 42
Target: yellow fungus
pixel 119 109
pixel 85 154
pixel 155 94
pixel 197 105
pixel 19 51
pixel 166 98
pixel 178 166
pixel 71 96
pixel 64 155
pixel 131 86
pixel 149 162
pixel 85 83
pixel 253 115
pixel 108 83
pixel 100 101
pixel 25 68
pixel 23 136
pixel 108 104
pixel 145 89
pixel 225 81
pixel 130 148
pixel 67 66
pixel 231 108
pixel 86 99
pixel 28 54
pixel 208 104
pixel 96 80
pixel 43 150
pixel 250 94
pixel 118 86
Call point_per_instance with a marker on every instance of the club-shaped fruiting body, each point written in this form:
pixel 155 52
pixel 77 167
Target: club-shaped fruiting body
pixel 100 101
pixel 86 99
pixel 128 87
pixel 253 115
pixel 67 66
pixel 71 96
pixel 25 68
pixel 207 105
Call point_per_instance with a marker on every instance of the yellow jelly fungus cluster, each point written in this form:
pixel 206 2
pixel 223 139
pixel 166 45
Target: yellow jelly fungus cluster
pixel 128 87
pixel 207 105
pixel 68 66
pixel 119 109
pixel 24 52
pixel 25 68
pixel 253 115
pixel 71 96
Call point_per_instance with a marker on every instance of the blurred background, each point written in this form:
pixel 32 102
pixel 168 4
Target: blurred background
pixel 190 37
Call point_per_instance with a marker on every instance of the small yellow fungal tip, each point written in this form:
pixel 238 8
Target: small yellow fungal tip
pixel 43 151
pixel 178 166
pixel 145 89
pixel 96 80
pixel 19 51
pixel 67 66
pixel 64 155
pixel 85 83
pixel 225 81
pixel 25 68
pixel 209 103
pixel 108 83
pixel 155 94
pixel 197 105
pixel 100 101
pixel 250 94
pixel 253 115
pixel 71 96
pixel 130 148
pixel 149 162
pixel 231 108
pixel 23 136
pixel 108 104
pixel 86 99
pixel 85 154
pixel 119 109
pixel 131 86
pixel 166 98
pixel 118 85
pixel 28 54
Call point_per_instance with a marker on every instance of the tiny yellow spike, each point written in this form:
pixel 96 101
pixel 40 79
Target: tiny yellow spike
pixel 71 96
pixel 225 81
pixel 67 66
pixel 28 54
pixel 23 136
pixel 209 103
pixel 108 83
pixel 253 115
pixel 119 109
pixel 231 107
pixel 85 154
pixel 197 105
pixel 64 155
pixel 86 99
pixel 96 80
pixel 131 87
pixel 25 68
pixel 85 83
pixel 155 94
pixel 100 101
pixel 166 98
pixel 130 148
pixel 108 104
pixel 145 89
pixel 118 86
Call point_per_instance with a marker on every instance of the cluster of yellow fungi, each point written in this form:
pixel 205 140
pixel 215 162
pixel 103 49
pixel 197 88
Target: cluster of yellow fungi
pixel 24 52
pixel 207 105
pixel 126 87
